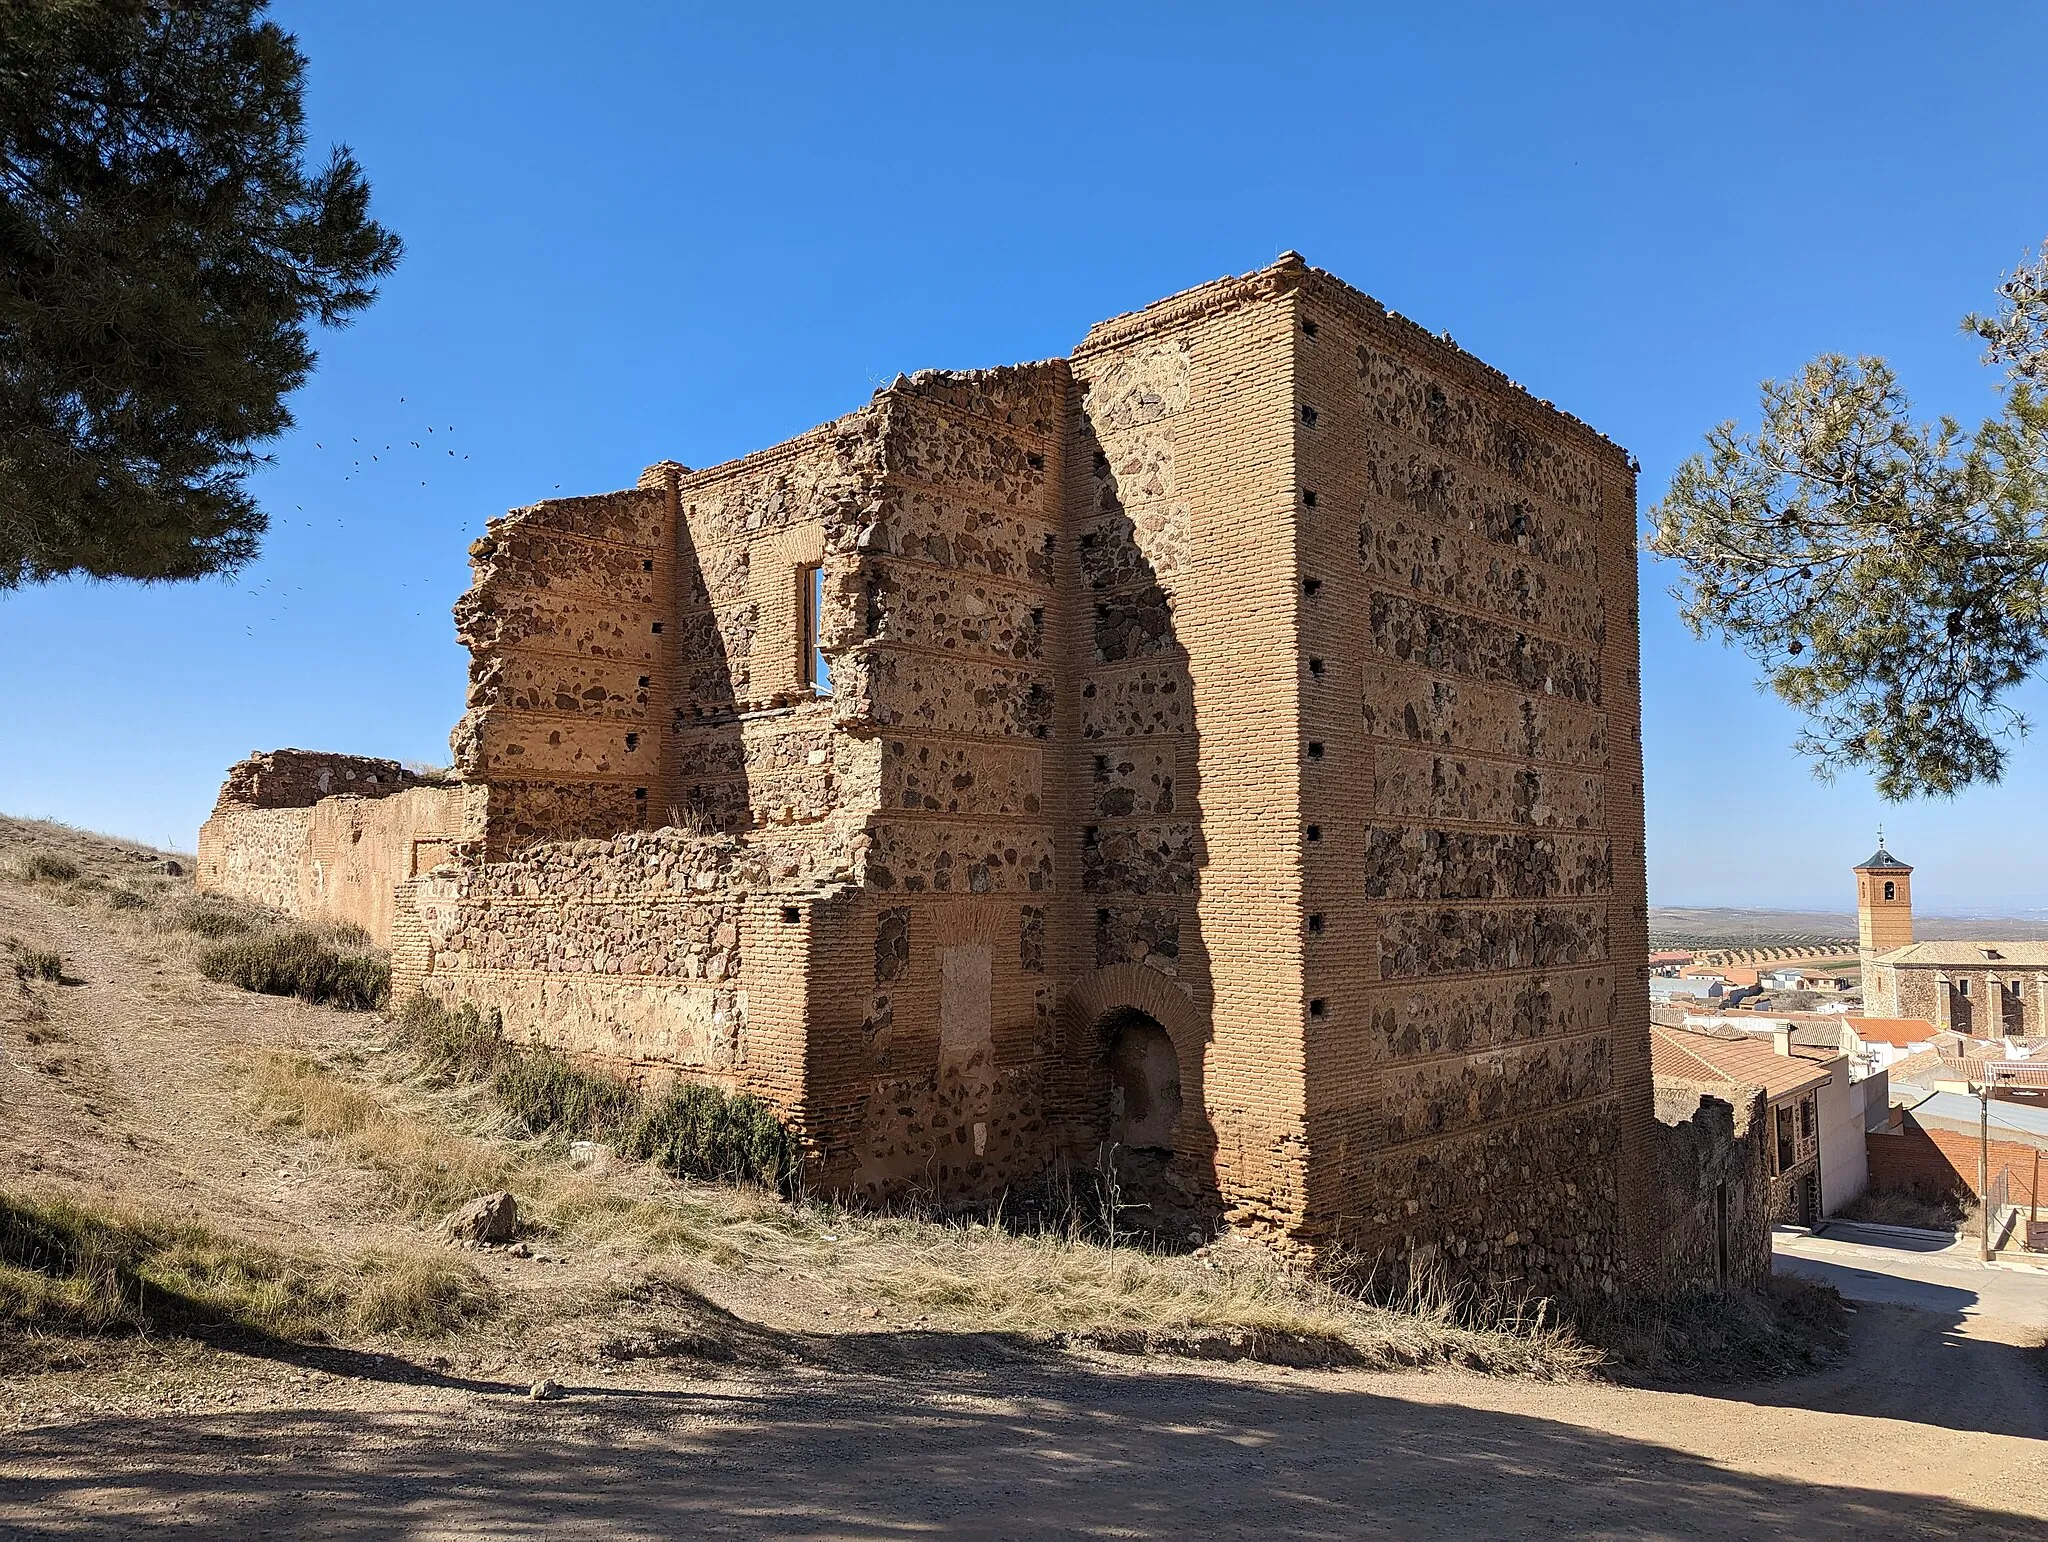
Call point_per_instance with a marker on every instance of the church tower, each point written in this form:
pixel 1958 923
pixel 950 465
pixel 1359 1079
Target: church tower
pixel 1884 907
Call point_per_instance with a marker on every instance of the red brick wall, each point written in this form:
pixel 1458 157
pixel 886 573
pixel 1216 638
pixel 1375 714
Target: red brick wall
pixel 1945 1159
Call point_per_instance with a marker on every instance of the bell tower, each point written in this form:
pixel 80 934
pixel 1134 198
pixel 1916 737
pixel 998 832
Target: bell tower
pixel 1884 904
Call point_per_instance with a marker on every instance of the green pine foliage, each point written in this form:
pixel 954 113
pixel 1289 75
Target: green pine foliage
pixel 164 245
pixel 1890 575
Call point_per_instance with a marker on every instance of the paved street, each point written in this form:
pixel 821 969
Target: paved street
pixel 1872 1265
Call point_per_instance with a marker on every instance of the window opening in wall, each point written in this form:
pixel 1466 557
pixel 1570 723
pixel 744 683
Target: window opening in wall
pixel 1101 461
pixel 791 914
pixel 1311 587
pixel 1035 461
pixel 1102 765
pixel 1315 832
pixel 1891 890
pixel 1315 922
pixel 646 680
pixel 815 668
pixel 1308 497
pixel 1308 416
pixel 1315 667
pixel 632 741
pixel 647 564
pixel 1318 1008
pixel 1315 751
pixel 1962 987
pixel 1308 327
pixel 639 794
pixel 657 628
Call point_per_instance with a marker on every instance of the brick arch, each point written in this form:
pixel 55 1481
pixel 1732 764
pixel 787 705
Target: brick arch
pixel 1189 1189
pixel 1094 995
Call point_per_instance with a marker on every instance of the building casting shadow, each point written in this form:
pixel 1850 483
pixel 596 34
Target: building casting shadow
pixel 1139 888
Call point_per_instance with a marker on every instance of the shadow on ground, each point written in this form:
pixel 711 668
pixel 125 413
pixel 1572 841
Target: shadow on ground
pixel 1029 1450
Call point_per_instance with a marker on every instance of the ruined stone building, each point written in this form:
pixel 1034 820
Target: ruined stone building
pixel 1216 753
pixel 1984 989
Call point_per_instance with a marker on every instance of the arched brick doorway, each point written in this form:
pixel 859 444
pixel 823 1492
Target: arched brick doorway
pixel 1144 1082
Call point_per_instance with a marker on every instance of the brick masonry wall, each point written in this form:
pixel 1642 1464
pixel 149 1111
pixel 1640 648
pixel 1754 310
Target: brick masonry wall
pixel 1915 1157
pixel 1184 652
pixel 656 954
pixel 340 858
pixel 930 1008
pixel 567 621
pixel 1267 670
pixel 1477 1019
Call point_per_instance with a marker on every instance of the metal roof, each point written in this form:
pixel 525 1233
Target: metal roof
pixel 1886 859
pixel 1959 1110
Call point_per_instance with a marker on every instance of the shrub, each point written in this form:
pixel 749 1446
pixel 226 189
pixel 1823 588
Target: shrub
pixel 47 867
pixel 452 1043
pixel 127 899
pixel 39 964
pixel 214 921
pixel 302 964
pixel 555 1096
pixel 700 1132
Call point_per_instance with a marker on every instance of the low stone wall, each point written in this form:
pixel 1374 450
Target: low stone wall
pixel 1712 1188
pixel 657 954
pixel 340 857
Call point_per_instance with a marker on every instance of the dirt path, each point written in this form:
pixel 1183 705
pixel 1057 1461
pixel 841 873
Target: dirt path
pixel 131 1091
pixel 1057 1445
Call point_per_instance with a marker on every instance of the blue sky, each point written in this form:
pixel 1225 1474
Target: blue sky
pixel 669 231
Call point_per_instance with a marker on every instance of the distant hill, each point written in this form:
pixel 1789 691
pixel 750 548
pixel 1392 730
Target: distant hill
pixel 1677 926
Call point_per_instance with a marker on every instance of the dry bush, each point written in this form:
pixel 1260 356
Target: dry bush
pixel 44 867
pixel 213 920
pixel 691 1131
pixel 71 1267
pixel 303 963
pixel 1706 1336
pixel 43 964
pixel 1924 1207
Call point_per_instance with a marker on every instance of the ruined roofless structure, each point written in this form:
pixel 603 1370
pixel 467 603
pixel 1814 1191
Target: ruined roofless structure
pixel 1230 771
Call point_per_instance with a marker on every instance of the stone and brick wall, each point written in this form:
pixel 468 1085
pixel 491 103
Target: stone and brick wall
pixel 1984 1002
pixel 1474 907
pixel 568 622
pixel 1230 772
pixel 330 837
pixel 1712 1216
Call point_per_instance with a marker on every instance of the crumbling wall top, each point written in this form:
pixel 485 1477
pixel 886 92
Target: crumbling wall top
pixel 301 778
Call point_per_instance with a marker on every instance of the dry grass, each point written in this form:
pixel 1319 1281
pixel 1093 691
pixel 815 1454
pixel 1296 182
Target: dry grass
pixel 1238 1300
pixel 426 1170
pixel 326 966
pixel 69 1267
pixel 1926 1208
